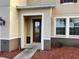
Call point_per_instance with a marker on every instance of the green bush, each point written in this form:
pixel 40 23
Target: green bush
pixel 61 43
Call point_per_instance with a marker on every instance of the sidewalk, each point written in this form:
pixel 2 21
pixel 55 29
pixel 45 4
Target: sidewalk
pixel 28 52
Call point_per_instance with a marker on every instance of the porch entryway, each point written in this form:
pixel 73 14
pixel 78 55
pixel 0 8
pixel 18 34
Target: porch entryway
pixel 31 27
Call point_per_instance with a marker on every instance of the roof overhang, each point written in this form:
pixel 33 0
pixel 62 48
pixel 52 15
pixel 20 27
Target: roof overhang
pixel 34 7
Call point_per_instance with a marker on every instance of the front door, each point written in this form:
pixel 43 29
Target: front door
pixel 36 30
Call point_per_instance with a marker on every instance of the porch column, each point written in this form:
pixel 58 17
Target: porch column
pixel 22 32
pixel 46 32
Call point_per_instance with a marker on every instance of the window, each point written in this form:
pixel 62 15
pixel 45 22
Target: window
pixel 67 26
pixel 60 26
pixel 68 1
pixel 74 26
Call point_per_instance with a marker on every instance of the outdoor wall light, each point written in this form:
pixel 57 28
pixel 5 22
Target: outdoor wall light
pixel 2 22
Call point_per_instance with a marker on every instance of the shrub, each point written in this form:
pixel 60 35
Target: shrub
pixel 61 43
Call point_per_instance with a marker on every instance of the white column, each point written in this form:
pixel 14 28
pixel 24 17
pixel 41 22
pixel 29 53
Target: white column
pixel 42 32
pixel 54 26
pixel 22 32
pixel 67 27
pixel 46 29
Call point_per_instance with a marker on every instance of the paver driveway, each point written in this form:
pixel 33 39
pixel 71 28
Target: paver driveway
pixel 58 53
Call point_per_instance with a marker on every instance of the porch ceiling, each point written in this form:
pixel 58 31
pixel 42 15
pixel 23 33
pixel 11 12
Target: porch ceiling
pixel 35 7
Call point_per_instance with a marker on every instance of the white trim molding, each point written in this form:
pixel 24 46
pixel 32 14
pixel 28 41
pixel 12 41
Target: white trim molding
pixel 34 7
pixel 68 3
pixel 22 30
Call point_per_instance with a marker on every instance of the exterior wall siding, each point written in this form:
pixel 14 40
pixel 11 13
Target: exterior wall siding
pixel 62 10
pixel 4 14
pixel 9 13
pixel 14 23
pixel 14 18
pixel 4 3
pixel 4 30
pixel 40 2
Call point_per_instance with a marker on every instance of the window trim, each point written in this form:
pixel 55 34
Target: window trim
pixel 70 3
pixel 67 25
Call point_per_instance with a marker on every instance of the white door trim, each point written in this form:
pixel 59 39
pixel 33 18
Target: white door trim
pixel 22 28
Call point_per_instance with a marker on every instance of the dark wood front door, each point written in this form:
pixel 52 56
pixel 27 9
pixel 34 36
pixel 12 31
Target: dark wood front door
pixel 36 30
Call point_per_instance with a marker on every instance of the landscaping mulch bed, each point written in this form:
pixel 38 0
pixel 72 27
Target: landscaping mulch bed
pixel 58 53
pixel 10 54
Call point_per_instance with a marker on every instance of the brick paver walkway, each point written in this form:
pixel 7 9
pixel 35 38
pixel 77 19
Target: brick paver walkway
pixel 58 53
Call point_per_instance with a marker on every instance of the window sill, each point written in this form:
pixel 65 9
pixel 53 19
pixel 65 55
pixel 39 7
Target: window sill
pixel 59 36
pixel 68 3
pixel 65 36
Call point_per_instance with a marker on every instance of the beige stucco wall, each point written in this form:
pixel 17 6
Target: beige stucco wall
pixel 59 10
pixel 27 27
pixel 40 2
pixel 14 18
pixel 64 10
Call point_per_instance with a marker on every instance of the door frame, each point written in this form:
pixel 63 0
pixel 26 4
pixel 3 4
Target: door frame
pixel 22 29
